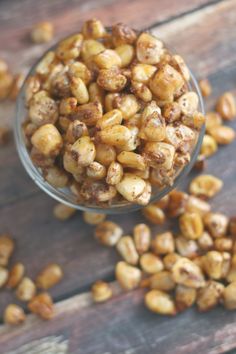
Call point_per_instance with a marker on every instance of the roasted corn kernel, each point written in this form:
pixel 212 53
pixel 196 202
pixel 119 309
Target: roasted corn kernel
pixel 205 186
pixel 15 275
pixel 160 302
pixel 126 248
pixel 186 272
pixel 101 291
pixel 223 135
pixel 114 173
pixel 170 259
pixel 47 140
pixel 3 276
pixel 26 290
pixel 42 32
pixel 226 106
pixel 163 243
pixel 149 49
pixel 185 297
pixel 128 276
pixel 162 280
pixel 209 146
pixel 42 305
pixel 213 264
pixel 13 315
pixel 186 248
pixel 205 87
pixel 191 225
pixel 108 233
pixel 142 238
pixel 209 296
pixel 7 246
pixel 93 218
pixel 154 214
pixel 49 276
pixel 216 223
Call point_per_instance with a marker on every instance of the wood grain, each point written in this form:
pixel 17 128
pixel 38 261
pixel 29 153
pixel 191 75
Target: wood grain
pixel 206 38
pixel 123 325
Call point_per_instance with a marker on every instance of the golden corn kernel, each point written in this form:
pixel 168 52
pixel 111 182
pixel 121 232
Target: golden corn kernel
pixel 180 137
pixel 76 130
pixel 197 205
pixel 89 113
pixel 70 47
pixel 42 305
pixel 108 233
pixel 83 151
pixel 145 197
pixel 105 154
pixel 205 185
pixel 3 276
pixel 209 146
pixel 226 106
pixel 154 214
pixel 205 242
pixel 16 86
pixel 213 264
pixel 153 126
pixel 159 154
pixel 93 29
pixel 7 246
pixel 133 142
pixel 213 120
pixel 116 135
pixel 188 103
pixel 93 218
pixel 131 159
pixel 91 47
pixel 128 104
pixel 209 296
pixel 181 66
pixel 109 119
pixel 131 187
pixel 205 87
pixel 171 112
pixel 223 135
pixel 42 32
pixel 170 259
pixel 126 54
pixel 49 276
pixel 114 173
pixel 150 263
pixel 186 248
pixel 149 49
pixel 26 290
pixel 96 170
pixel 97 191
pixel 142 72
pixel 96 93
pixel 166 82
pixel 13 315
pixel 15 275
pixel 142 238
pixel 44 66
pixel 185 272
pixel 185 297
pixel 141 91
pixel 71 165
pixel 63 212
pixel 177 203
pixel 163 243
pixel 127 275
pixel 111 80
pixel 162 281
pixel 110 101
pixel 43 109
pixel 191 225
pixel 80 70
pixel 216 223
pixel 55 176
pixel 122 34
pixel 107 59
pixel 47 140
pixel 79 90
pixel 223 244
pixel 101 291
pixel 126 248
pixel 229 296
pixel 160 302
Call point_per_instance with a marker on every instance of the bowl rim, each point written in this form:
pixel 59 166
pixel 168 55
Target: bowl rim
pixel 58 194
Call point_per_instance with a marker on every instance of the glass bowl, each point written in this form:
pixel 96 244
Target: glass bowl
pixel 64 195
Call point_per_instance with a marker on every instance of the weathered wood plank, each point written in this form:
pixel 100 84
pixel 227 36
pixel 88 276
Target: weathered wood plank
pixel 123 325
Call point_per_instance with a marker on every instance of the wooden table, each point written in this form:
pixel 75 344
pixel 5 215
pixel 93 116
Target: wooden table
pixel 204 32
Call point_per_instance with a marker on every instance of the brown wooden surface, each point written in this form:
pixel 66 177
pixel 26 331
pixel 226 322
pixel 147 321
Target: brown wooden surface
pixel 204 32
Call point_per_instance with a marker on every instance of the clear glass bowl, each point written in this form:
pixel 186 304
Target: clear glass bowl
pixel 64 195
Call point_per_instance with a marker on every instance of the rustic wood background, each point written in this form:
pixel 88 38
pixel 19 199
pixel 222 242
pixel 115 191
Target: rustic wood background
pixel 204 33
